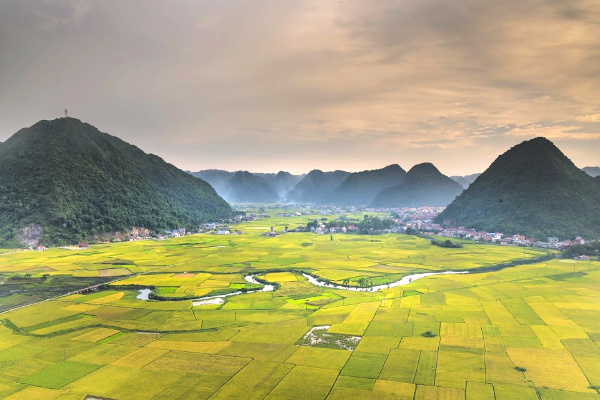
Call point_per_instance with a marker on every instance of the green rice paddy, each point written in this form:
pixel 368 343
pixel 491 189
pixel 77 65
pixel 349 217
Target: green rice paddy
pixel 543 318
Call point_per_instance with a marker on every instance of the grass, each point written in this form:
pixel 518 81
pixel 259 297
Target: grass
pixel 58 375
pixel 446 336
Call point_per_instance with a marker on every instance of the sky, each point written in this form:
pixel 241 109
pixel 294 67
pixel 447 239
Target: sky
pixel 269 85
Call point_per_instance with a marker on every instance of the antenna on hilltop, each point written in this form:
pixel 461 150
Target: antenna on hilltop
pixel 65 113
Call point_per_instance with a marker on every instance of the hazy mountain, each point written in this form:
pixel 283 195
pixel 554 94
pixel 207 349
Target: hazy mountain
pixel 317 186
pixel 466 180
pixel 217 178
pixel 283 182
pixel 532 189
pixel 360 188
pixel 245 187
pixel 423 185
pixel 592 171
pixel 75 181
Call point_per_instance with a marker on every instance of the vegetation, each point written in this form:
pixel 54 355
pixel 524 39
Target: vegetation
pixel 446 336
pixel 77 182
pixel 369 224
pixel 591 249
pixel 533 189
pixel 449 244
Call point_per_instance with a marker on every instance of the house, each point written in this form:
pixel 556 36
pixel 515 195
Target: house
pixel 552 239
pixel 41 248
pixel 83 245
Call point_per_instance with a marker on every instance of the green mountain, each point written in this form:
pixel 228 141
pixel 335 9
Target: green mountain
pixel 533 189
pixel 75 181
pixel 316 186
pixel 245 187
pixel 360 188
pixel 423 185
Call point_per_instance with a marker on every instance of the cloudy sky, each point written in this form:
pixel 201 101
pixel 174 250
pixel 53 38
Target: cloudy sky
pixel 268 85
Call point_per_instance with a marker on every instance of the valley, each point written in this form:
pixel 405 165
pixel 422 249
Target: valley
pixel 405 341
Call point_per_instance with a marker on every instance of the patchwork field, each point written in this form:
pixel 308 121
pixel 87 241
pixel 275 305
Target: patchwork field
pixel 525 332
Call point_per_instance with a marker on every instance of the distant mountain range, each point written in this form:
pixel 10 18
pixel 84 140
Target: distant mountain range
pixel 360 188
pixel 63 181
pixel 466 180
pixel 247 187
pixel 532 189
pixel 422 185
pixel 317 186
pixel 391 186
pixel 592 171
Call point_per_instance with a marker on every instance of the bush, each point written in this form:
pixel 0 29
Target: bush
pixel 428 334
pixel 521 369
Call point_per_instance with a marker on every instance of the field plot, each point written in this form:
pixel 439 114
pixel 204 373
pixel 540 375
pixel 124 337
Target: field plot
pixel 525 332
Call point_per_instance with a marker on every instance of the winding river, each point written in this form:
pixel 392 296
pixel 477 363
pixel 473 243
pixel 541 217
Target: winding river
pixel 144 293
pixel 313 280
pixel 404 281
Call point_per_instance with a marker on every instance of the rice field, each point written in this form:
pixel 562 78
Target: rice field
pixel 525 332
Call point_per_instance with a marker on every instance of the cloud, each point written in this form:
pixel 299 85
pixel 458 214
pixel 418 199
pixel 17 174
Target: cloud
pixel 226 84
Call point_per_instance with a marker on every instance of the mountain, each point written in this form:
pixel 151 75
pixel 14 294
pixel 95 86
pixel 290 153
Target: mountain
pixel 360 188
pixel 533 189
pixel 245 187
pixel 592 171
pixel 466 180
pixel 423 185
pixel 217 178
pixel 66 180
pixel 316 186
pixel 283 182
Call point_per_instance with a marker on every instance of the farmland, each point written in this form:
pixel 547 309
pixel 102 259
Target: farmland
pixel 444 336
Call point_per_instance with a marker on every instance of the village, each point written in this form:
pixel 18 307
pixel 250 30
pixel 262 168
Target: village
pixel 415 220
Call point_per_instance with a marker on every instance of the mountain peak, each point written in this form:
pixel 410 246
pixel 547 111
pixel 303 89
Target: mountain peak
pixel 532 189
pixel 423 168
pixel 74 181
pixel 423 185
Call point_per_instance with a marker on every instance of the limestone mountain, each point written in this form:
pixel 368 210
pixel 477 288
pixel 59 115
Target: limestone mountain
pixel 245 187
pixel 360 188
pixel 532 189
pixel 74 181
pixel 466 180
pixel 283 182
pixel 423 185
pixel 592 171
pixel 317 186
pixel 217 178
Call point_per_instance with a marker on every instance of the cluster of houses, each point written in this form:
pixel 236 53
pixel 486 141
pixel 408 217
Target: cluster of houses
pixel 514 240
pixel 421 219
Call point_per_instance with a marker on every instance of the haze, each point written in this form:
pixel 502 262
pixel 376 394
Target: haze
pixel 297 85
